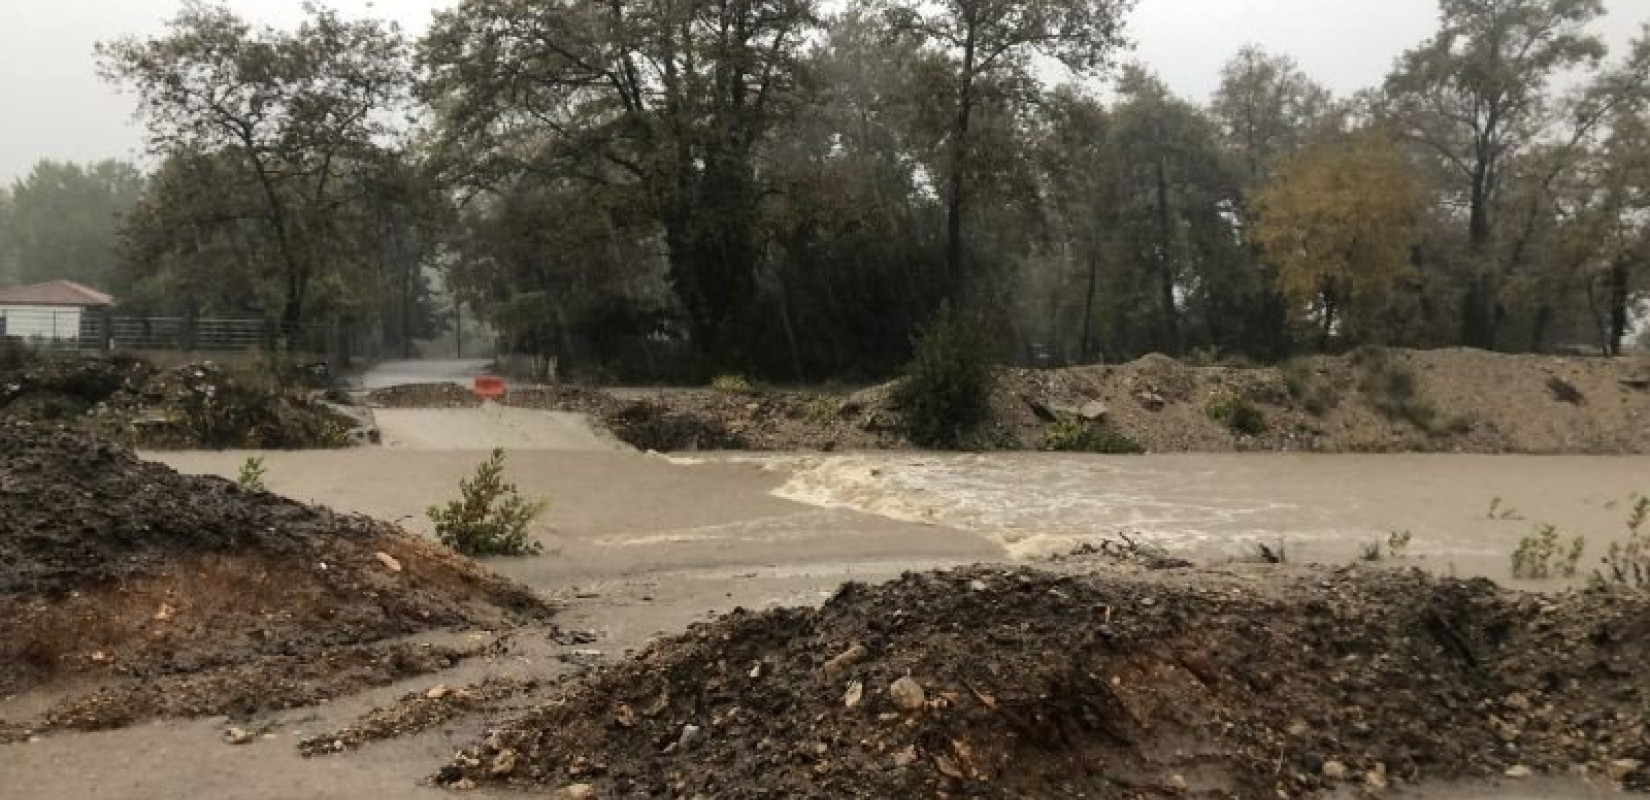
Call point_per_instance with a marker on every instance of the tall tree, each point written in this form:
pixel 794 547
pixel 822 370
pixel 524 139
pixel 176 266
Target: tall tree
pixel 64 220
pixel 994 44
pixel 1175 197
pixel 290 111
pixel 1340 221
pixel 1475 95
pixel 1266 107
pixel 669 100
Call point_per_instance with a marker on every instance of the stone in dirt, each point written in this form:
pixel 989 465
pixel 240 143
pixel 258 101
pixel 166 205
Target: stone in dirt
pixel 1029 690
pixel 907 694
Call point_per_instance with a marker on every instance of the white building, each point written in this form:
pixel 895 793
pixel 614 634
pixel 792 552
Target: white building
pixel 49 312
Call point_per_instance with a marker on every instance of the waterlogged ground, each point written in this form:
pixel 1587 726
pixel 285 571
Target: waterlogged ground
pixel 641 545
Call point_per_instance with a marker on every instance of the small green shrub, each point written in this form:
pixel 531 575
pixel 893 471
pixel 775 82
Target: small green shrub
pixel 733 384
pixel 1238 414
pixel 1072 435
pixel 491 518
pixel 1542 555
pixel 1306 387
pixel 819 410
pixel 1397 543
pixel 946 393
pixel 1394 391
pixel 1628 564
pixel 252 476
pixel 1372 552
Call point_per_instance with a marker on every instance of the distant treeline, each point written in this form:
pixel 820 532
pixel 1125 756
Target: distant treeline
pixel 657 189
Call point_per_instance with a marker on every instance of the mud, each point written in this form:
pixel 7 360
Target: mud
pixel 205 405
pixel 418 712
pixel 1103 680
pixel 135 592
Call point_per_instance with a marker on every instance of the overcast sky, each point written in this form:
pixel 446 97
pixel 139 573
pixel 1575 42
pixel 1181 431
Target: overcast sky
pixel 52 104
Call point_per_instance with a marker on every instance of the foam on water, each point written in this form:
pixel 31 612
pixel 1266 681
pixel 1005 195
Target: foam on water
pixel 1040 505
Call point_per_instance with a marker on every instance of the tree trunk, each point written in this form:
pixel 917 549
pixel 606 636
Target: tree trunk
pixel 1618 307
pixel 956 277
pixel 1165 264
pixel 1086 351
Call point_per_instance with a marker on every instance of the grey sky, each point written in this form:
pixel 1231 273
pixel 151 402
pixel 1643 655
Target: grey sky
pixel 54 106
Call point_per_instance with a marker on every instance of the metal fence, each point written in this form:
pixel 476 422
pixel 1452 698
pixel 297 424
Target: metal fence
pixel 94 330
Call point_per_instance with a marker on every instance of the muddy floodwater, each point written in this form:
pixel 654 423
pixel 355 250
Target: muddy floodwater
pixel 639 545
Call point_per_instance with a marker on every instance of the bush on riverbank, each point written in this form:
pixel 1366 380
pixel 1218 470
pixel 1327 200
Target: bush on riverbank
pixel 946 393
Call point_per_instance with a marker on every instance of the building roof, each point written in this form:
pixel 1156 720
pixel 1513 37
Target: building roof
pixel 55 293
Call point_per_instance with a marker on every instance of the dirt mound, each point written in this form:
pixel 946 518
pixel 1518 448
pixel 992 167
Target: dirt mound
pixel 1371 401
pixel 1119 684
pixel 191 595
pixel 423 395
pixel 131 402
pixel 676 420
pixel 664 423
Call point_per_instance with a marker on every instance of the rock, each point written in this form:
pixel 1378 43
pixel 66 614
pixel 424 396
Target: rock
pixel 1094 411
pixel 1178 783
pixel 1519 772
pixel 1334 770
pixel 1151 401
pixel 578 791
pixel 845 661
pixel 464 785
pixel 1041 409
pixel 977 586
pixel 855 695
pixel 504 763
pixel 1376 778
pixel 907 694
pixel 390 563
pixel 1619 769
pixel 690 733
pixel 165 612
pixel 438 692
pixel 906 757
pixel 238 736
pixel 625 717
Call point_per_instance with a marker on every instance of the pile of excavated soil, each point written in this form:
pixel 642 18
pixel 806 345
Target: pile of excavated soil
pixel 1108 682
pixel 666 423
pixel 423 395
pixel 1371 401
pixel 131 402
pixel 173 595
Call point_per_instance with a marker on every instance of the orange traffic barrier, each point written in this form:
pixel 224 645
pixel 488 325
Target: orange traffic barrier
pixel 489 387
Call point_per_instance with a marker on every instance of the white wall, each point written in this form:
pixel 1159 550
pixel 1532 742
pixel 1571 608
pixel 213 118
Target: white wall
pixel 41 322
